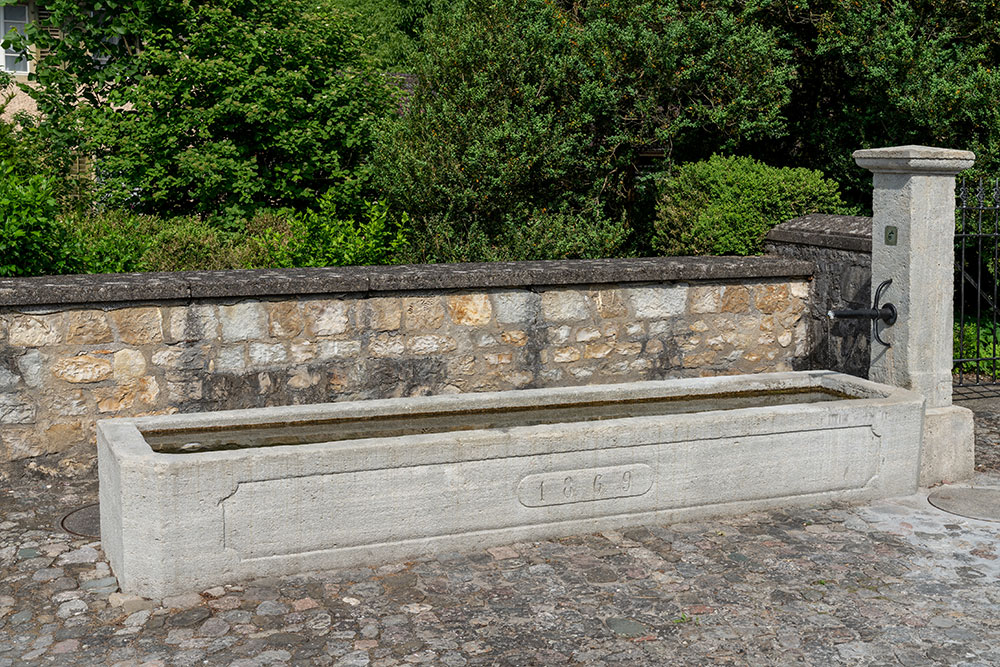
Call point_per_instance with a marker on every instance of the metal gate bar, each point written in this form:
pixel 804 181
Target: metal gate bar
pixel 977 251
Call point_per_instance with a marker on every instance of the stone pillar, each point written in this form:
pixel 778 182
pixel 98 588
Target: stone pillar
pixel 913 236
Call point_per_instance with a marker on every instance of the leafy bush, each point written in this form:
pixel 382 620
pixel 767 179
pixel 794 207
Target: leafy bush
pixel 32 240
pixel 973 339
pixel 726 205
pixel 322 238
pixel 529 105
pixel 394 27
pixel 228 107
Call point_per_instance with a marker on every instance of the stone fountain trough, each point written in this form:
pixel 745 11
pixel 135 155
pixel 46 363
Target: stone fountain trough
pixel 190 501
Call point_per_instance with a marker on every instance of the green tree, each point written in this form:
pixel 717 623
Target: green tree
pixel 529 108
pixel 393 27
pixel 210 108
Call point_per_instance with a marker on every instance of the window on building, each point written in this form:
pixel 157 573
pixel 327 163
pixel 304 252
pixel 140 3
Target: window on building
pixel 14 17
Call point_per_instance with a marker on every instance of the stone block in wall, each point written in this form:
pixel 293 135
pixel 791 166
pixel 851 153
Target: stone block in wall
pixel 382 314
pixel 192 323
pixel 423 313
pixel 83 369
pixel 657 302
pixel 16 409
pixel 138 326
pixel 243 321
pixel 515 307
pixel 564 305
pixel 471 310
pixel 129 364
pixel 326 317
pixel 88 327
pixel 35 331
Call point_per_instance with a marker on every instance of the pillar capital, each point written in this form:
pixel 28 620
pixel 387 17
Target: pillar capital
pixel 914 160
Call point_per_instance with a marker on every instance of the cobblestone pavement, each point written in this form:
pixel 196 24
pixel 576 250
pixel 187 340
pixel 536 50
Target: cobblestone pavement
pixel 895 582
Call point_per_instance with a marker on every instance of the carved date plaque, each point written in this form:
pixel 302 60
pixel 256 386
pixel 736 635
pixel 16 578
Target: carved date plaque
pixel 580 486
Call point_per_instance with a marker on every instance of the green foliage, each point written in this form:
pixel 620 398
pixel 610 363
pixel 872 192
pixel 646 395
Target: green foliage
pixel 726 205
pixel 32 240
pixel 530 105
pixel 229 106
pixel 973 339
pixel 322 238
pixel 392 26
pixel 873 73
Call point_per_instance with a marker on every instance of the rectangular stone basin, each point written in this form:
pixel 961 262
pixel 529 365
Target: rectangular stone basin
pixel 192 501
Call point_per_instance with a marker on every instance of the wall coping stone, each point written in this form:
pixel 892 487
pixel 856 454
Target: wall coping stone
pixel 145 287
pixel 842 232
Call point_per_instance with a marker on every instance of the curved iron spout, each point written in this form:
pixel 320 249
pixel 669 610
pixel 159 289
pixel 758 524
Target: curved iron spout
pixel 886 313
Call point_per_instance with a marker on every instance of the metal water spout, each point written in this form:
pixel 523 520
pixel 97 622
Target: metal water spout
pixel 886 312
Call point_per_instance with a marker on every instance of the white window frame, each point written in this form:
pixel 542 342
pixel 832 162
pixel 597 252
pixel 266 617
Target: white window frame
pixel 24 65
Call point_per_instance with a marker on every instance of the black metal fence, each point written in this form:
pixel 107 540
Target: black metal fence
pixel 977 251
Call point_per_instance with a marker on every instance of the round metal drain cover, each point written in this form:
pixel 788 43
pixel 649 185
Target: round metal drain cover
pixel 84 522
pixel 974 503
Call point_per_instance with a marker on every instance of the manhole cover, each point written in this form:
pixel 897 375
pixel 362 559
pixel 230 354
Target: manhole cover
pixel 974 503
pixel 85 522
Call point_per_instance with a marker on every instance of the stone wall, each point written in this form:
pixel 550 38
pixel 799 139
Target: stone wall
pixel 82 348
pixel 840 248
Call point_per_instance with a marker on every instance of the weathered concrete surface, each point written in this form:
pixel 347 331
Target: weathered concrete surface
pixel 949 446
pixel 913 232
pixel 172 522
pixel 893 582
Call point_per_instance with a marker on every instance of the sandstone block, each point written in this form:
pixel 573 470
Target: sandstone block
pixel 386 345
pixel 35 331
pixel 88 327
pixel 148 390
pixel 597 351
pixel 23 443
pixel 657 302
pixel 610 303
pixel 705 299
pixel 285 319
pixel 558 335
pixel 430 344
pixel 735 299
pixel 63 436
pixel 117 398
pixel 515 306
pixel 266 354
pixel 484 339
pixel 231 359
pixel 301 351
pixel 462 365
pixel 499 359
pixel 515 338
pixel 67 403
pixel 243 321
pixel 628 349
pixel 785 338
pixel 654 347
pixel 129 364
pixel 138 326
pixel 771 298
pixel 799 290
pixel 383 314
pixel 31 366
pixel 700 360
pixel 182 358
pixel 187 324
pixel 566 355
pixel 15 409
pixel 471 310
pixel 423 313
pixel 564 305
pixel 336 349
pixel 83 369
pixel 303 378
pixel 518 379
pixel 588 334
